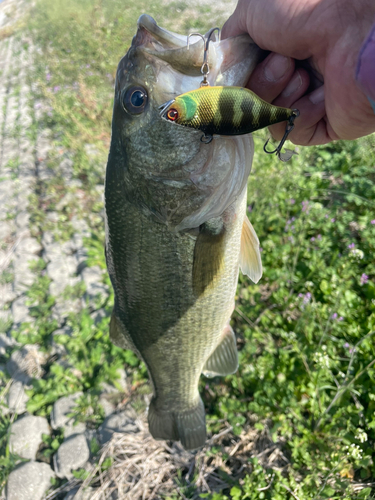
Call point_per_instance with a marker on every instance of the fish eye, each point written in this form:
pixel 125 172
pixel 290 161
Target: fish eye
pixel 134 100
pixel 172 114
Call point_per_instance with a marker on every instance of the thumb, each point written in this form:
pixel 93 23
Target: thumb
pixel 236 24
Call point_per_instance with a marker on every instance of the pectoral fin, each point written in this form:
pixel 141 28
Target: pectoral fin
pixel 208 254
pixel 224 360
pixel 250 260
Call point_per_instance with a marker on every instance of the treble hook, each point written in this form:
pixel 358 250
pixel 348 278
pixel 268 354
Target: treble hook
pixel 205 69
pixel 289 127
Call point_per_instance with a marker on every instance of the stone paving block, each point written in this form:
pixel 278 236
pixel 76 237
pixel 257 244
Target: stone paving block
pixel 93 279
pixel 73 454
pixel 22 219
pixel 23 275
pixel 29 481
pixel 61 269
pixel 26 435
pixel 118 422
pixel 28 246
pixel 20 311
pixel 6 294
pixel 17 398
pixel 60 415
pixel 6 230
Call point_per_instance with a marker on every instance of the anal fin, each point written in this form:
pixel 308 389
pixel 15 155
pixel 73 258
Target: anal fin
pixel 224 360
pixel 250 259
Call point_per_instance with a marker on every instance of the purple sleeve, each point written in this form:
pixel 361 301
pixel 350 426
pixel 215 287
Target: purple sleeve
pixel 365 72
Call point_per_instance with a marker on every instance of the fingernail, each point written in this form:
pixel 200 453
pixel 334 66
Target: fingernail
pixel 276 67
pixel 293 85
pixel 317 96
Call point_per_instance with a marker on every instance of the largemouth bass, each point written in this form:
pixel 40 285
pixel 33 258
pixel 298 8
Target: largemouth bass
pixel 176 225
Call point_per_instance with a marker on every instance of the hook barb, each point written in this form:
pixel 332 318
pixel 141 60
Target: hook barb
pixel 289 127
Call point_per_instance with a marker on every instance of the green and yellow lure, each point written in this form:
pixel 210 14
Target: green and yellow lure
pixel 224 111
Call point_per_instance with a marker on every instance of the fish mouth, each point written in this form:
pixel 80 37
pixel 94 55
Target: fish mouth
pixel 230 61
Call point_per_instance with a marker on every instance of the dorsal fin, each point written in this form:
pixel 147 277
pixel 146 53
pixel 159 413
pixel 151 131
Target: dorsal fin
pixel 250 260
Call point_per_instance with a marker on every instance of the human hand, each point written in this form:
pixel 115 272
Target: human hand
pixel 328 34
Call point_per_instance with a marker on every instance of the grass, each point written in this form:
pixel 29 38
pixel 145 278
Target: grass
pixel 304 391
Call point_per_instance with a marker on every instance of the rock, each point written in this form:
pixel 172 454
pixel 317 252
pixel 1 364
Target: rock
pixel 22 219
pixel 6 230
pixel 57 348
pixel 60 418
pixel 93 277
pixel 23 276
pixel 72 454
pixel 26 435
pixel 26 363
pixel 98 315
pixel 6 294
pixel 6 343
pixel 20 311
pixel 107 406
pixel 118 422
pixel 28 246
pixel 120 384
pixel 17 398
pixel 85 494
pixel 29 481
pixel 60 269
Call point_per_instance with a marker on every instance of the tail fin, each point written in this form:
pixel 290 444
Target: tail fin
pixel 188 426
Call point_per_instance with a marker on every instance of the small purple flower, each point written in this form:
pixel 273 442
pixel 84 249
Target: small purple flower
pixel 334 316
pixel 312 239
pixel 206 387
pixel 48 77
pixel 305 206
pixel 87 65
pixel 249 208
pixel 292 201
pixel 341 318
pixel 260 249
pixel 351 246
pixel 307 298
pixel 319 236
pixel 364 279
pixel 373 221
pixel 56 89
pixel 89 73
pixel 333 219
pixel 38 105
pixel 326 216
pixel 346 345
pixel 300 295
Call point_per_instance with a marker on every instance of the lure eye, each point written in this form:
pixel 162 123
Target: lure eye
pixel 134 100
pixel 172 114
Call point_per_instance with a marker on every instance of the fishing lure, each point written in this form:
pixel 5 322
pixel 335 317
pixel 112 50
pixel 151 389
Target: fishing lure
pixel 227 110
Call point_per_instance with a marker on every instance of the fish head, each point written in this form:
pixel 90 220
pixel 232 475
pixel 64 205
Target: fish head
pixel 159 66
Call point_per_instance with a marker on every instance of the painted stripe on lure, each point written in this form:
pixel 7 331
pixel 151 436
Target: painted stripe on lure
pixel 224 111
